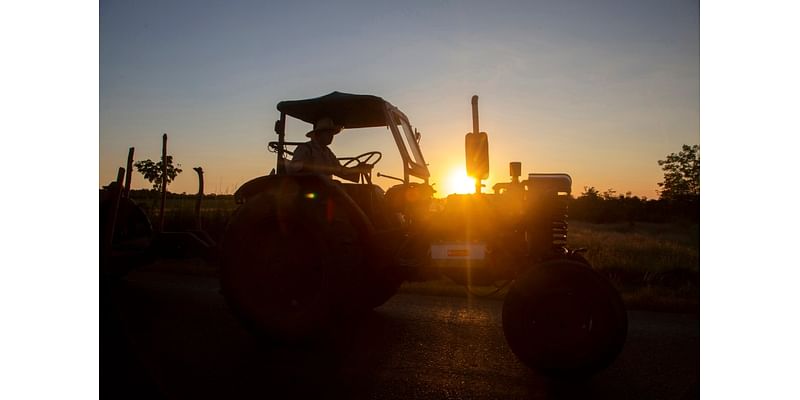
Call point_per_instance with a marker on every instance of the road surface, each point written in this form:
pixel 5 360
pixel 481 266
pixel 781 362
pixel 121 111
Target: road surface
pixel 170 335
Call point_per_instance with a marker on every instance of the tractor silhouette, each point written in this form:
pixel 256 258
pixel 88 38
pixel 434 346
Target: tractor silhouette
pixel 302 250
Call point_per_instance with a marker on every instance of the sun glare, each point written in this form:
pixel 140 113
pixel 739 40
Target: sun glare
pixel 459 182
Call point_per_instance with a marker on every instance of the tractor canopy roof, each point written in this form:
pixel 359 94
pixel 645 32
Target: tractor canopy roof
pixel 363 111
pixel 348 110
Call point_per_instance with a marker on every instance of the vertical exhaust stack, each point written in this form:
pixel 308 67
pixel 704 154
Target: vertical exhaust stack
pixel 475 124
pixel 476 131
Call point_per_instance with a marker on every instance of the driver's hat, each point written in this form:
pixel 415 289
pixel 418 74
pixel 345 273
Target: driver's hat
pixel 325 124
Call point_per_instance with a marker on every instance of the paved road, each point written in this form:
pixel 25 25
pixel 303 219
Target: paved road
pixel 170 335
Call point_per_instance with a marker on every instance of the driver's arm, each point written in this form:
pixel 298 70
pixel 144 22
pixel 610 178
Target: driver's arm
pixel 304 161
pixel 351 174
pixel 309 165
pixel 300 159
pixel 348 173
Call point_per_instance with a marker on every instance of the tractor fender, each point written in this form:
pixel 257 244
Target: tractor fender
pixel 286 186
pixel 252 187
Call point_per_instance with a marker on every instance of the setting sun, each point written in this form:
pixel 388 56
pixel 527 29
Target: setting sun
pixel 459 182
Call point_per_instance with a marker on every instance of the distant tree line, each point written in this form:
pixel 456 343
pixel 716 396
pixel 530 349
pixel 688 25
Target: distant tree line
pixel 679 196
pixel 147 194
pixel 609 207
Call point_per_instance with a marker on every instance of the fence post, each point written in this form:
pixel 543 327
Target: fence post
pixel 163 182
pixel 128 172
pixel 197 224
pixel 115 192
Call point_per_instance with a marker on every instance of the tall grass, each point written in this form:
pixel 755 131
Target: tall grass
pixel 179 213
pixel 655 266
pixel 651 247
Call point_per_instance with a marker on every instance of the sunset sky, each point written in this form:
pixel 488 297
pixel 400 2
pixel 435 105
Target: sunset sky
pixel 597 89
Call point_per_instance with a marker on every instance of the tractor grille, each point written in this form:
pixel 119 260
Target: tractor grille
pixel 547 223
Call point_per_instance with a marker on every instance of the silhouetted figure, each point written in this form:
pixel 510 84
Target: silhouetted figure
pixel 315 155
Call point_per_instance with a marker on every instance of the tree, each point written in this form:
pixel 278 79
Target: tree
pixel 609 194
pixel 590 192
pixel 681 174
pixel 152 171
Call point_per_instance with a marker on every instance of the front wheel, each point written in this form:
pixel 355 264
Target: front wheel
pixel 562 318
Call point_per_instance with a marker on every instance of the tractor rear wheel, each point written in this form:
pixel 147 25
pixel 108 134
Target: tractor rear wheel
pixel 562 318
pixel 293 258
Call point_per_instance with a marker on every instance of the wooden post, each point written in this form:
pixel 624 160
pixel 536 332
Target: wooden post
pixel 128 172
pixel 280 129
pixel 197 224
pixel 115 192
pixel 163 182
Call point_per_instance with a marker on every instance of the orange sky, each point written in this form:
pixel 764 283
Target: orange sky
pixel 600 90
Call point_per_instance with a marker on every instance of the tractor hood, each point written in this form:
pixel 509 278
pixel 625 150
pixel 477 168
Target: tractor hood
pixel 349 110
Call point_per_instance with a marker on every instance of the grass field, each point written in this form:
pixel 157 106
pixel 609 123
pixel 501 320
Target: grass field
pixel 654 266
pixel 179 213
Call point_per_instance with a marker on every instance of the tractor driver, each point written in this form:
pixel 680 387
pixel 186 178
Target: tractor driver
pixel 315 156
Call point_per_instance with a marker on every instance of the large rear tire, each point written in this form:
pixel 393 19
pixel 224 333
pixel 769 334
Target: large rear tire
pixel 293 257
pixel 562 318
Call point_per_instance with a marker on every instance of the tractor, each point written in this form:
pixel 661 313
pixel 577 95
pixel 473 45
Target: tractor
pixel 303 251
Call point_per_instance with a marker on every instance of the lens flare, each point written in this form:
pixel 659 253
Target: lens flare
pixel 458 182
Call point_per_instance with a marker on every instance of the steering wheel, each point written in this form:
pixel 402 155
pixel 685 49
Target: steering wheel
pixel 369 158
